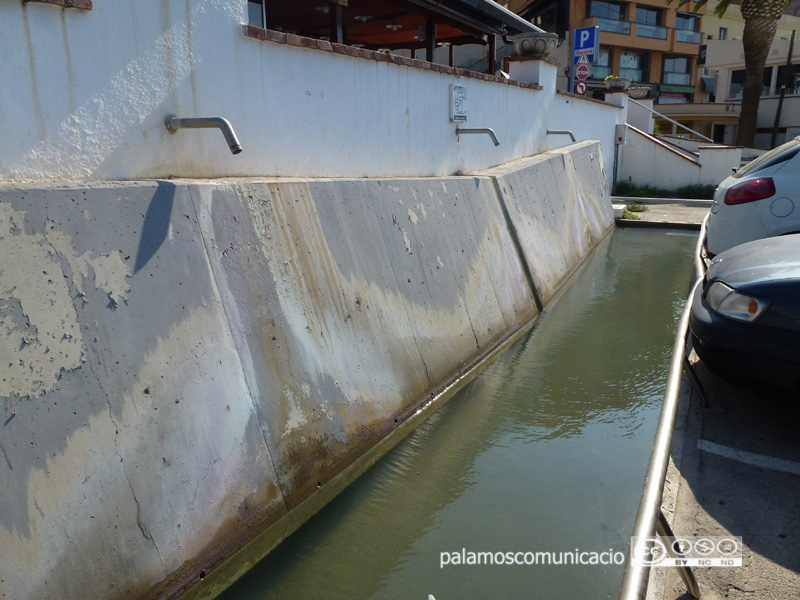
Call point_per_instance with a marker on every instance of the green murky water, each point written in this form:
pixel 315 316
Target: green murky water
pixel 544 452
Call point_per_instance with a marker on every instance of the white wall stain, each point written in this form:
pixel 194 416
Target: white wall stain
pixel 421 207
pixel 296 418
pixel 41 334
pixel 111 275
pixel 210 472
pixel 111 272
pixel 413 216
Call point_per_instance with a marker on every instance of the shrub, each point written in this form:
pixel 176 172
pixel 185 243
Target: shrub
pixel 692 191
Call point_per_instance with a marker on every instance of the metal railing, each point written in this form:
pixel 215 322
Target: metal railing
pixel 658 114
pixel 656 32
pixel 650 518
pixel 687 36
pixel 614 26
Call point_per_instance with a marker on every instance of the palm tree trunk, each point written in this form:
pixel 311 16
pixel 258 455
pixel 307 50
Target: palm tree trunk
pixel 757 39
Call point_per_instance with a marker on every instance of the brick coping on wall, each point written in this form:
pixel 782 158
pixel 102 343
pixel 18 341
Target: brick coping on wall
pixel 584 98
pixel 279 37
pixel 84 4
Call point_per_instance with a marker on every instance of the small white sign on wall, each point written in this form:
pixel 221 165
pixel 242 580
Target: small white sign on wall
pixel 458 103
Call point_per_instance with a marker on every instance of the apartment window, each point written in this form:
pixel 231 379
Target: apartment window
pixel 648 23
pixel 676 70
pixel 686 29
pixel 607 10
pixel 737 82
pixel 602 64
pixel 610 17
pixel 647 16
pixel 633 65
pixel 723 33
pixel 256 15
pixel 790 79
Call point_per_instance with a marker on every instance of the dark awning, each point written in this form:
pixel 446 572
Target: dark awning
pixel 709 83
pixel 683 89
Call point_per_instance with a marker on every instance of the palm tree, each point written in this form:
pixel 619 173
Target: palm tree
pixel 760 23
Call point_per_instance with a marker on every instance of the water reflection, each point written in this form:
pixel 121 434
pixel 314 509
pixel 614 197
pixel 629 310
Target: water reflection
pixel 545 451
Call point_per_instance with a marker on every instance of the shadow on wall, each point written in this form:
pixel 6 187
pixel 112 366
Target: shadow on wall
pixel 156 227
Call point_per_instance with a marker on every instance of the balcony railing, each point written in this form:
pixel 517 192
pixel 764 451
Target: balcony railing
pixel 656 32
pixel 632 74
pixel 690 37
pixel 613 26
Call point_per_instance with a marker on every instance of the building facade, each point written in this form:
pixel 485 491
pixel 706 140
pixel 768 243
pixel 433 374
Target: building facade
pixel 653 43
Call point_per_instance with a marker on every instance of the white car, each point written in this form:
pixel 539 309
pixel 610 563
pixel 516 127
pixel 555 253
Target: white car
pixel 762 199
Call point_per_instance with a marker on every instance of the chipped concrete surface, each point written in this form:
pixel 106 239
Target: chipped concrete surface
pixel 41 335
pixel 229 348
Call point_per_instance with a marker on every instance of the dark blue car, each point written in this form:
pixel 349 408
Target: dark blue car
pixel 745 321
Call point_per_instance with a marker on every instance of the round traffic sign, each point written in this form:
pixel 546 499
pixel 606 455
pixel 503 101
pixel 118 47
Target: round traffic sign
pixel 580 88
pixel 582 72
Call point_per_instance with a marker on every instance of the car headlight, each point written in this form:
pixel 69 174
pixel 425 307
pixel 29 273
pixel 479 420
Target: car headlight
pixel 727 302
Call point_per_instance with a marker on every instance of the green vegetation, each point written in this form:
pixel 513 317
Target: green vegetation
pixel 694 191
pixel 627 214
pixel 637 208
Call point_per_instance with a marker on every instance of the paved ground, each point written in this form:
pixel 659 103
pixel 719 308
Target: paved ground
pixel 734 470
pixel 738 473
pixel 668 215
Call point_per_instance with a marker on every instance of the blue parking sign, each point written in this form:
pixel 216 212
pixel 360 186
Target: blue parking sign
pixel 585 42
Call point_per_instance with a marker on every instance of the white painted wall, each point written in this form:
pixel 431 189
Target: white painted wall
pixel 91 89
pixel 645 162
pixel 718 162
pixel 639 116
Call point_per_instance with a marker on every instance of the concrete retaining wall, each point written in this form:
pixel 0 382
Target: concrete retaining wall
pixel 188 367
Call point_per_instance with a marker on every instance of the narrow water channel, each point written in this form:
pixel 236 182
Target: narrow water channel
pixel 544 452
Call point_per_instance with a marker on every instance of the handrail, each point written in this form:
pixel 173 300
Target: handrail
pixel 699 264
pixel 658 114
pixel 635 577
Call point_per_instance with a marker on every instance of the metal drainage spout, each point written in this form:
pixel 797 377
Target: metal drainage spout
pixel 487 130
pixel 173 123
pixel 562 132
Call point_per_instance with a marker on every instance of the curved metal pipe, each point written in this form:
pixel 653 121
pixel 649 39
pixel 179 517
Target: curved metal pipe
pixel 487 130
pixel 562 132
pixel 173 123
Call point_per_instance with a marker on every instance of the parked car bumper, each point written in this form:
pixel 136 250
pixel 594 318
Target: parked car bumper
pixel 744 352
pixel 733 226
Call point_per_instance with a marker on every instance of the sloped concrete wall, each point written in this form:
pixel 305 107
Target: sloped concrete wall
pixel 191 366
pixel 553 202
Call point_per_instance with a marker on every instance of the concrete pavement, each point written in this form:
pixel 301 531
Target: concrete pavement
pixel 736 471
pixel 673 214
